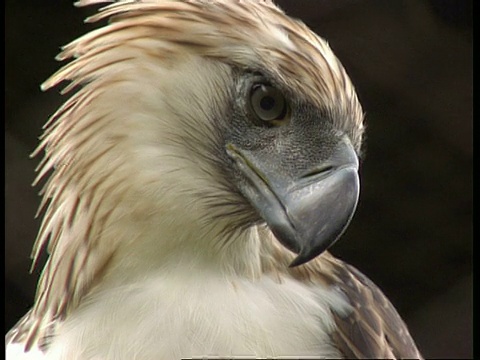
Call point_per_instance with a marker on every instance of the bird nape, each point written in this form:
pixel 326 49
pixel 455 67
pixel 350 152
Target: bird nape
pixel 205 162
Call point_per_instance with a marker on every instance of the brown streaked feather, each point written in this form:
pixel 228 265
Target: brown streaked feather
pixel 374 328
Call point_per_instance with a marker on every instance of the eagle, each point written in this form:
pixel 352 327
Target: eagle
pixel 206 160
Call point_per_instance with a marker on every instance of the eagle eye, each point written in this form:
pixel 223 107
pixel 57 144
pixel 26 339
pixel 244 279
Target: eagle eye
pixel 268 104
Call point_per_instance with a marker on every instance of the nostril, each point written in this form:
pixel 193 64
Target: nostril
pixel 323 169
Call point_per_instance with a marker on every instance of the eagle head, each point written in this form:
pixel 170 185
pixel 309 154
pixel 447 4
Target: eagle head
pixel 193 124
pixel 229 113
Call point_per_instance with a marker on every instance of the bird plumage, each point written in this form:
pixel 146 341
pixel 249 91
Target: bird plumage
pixel 141 215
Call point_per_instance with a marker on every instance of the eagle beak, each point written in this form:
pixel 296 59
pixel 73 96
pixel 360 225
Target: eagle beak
pixel 309 212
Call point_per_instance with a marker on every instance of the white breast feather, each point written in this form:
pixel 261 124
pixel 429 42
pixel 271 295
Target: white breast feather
pixel 180 316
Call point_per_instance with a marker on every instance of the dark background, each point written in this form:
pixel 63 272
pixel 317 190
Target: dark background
pixel 411 62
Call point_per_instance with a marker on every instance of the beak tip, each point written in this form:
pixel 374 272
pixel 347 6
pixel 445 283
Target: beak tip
pixel 297 262
pixel 302 257
pixel 308 253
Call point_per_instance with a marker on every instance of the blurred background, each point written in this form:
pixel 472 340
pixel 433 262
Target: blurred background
pixel 411 62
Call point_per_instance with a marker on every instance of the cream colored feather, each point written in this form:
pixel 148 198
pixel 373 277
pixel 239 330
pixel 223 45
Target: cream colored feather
pixel 128 202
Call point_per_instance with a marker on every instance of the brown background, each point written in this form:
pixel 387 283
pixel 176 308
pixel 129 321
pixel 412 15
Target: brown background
pixel 412 64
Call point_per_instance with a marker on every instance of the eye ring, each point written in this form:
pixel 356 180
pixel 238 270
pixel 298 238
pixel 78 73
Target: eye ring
pixel 268 104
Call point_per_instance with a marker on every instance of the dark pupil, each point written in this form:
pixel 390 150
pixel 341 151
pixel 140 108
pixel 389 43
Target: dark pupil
pixel 267 103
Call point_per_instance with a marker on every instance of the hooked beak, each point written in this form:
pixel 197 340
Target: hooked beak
pixel 309 213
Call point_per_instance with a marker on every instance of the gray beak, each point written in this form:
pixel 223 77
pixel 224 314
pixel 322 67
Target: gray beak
pixel 310 211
